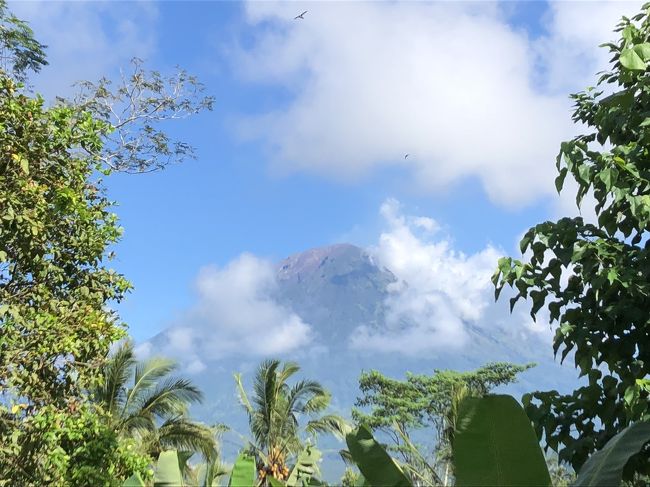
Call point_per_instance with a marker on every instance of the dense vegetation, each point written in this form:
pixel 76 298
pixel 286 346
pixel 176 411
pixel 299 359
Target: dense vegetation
pixel 77 407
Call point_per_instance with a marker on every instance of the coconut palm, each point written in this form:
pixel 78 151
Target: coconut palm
pixel 146 403
pixel 276 410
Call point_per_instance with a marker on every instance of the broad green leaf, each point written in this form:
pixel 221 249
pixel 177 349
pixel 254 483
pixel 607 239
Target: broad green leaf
pixel 609 177
pixel 134 481
pixel 631 60
pixel 375 464
pixel 643 50
pixel 305 468
pixel 275 482
pixel 168 473
pixel 495 444
pixel 243 472
pixel 605 467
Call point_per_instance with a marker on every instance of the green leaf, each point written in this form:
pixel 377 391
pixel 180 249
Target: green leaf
pixel 643 50
pixel 375 464
pixel 243 472
pixel 168 473
pixel 631 60
pixel 275 482
pixel 495 444
pixel 608 176
pixel 134 481
pixel 305 468
pixel 559 181
pixel 605 467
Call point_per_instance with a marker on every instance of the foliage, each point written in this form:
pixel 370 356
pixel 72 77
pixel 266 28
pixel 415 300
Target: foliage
pixel 80 450
pixel 400 406
pixel 495 444
pixel 55 229
pixel 243 472
pixel 133 109
pixel 375 464
pixel 146 403
pixel 275 411
pixel 168 470
pixel 351 478
pixel 56 287
pixel 306 467
pixel 561 474
pixel 594 278
pixel 209 473
pixel 20 52
pixel 605 467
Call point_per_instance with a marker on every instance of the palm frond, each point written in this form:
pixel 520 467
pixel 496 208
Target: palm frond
pixel 243 397
pixel 115 373
pixel 209 473
pixel 170 398
pixel 330 423
pixel 147 374
pixel 423 467
pixel 137 425
pixel 319 401
pixel 183 434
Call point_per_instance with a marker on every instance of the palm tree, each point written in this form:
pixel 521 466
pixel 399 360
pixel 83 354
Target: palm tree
pixel 275 412
pixel 146 403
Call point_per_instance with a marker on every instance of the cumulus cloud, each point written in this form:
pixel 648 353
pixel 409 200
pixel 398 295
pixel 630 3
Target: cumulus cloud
pixel 456 86
pixel 88 40
pixel 441 297
pixel 568 54
pixel 235 313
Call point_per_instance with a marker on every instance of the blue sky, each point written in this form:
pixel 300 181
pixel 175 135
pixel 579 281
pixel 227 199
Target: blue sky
pixel 312 120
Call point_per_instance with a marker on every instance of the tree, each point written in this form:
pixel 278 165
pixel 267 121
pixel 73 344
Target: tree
pixel 133 108
pixel 144 402
pixel 275 413
pixel 399 407
pixel 20 52
pixel 593 278
pixel 56 229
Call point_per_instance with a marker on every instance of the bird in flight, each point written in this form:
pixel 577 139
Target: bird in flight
pixel 301 16
pixel 406 156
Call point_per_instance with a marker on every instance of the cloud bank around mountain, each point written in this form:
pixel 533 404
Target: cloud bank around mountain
pixel 439 293
pixel 459 86
pixel 234 313
pixel 441 302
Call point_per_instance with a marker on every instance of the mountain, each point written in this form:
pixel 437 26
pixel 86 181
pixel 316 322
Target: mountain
pixel 335 290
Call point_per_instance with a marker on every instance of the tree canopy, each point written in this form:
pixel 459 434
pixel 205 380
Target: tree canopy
pixel 56 283
pixel 594 277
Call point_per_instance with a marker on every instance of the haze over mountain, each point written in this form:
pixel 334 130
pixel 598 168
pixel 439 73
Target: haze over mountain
pixel 334 305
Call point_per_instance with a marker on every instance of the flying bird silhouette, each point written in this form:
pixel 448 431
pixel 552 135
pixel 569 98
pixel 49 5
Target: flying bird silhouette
pixel 301 16
pixel 406 156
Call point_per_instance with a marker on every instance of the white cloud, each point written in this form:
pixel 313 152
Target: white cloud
pixel 454 85
pixel 235 313
pixel 87 40
pixel 568 52
pixel 440 293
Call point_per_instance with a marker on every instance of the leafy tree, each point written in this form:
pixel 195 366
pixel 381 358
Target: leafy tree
pixel 398 407
pixel 275 413
pixel 133 108
pixel 594 278
pixel 144 402
pixel 56 286
pixel 20 52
